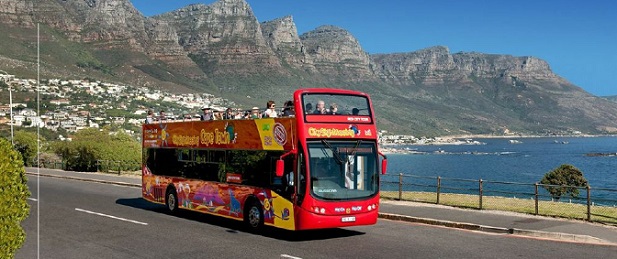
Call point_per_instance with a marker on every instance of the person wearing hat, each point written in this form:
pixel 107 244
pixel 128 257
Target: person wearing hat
pixel 239 114
pixel 255 113
pixel 217 114
pixel 207 115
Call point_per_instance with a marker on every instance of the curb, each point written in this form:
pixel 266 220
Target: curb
pixel 85 179
pixel 445 223
pixel 513 231
pixel 561 236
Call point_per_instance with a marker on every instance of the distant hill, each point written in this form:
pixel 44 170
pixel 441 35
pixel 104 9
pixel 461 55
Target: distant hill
pixel 611 98
pixel 224 50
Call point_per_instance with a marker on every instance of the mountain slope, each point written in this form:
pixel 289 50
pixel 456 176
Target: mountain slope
pixel 223 49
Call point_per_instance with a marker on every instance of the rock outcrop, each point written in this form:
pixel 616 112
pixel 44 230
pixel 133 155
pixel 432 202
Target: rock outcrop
pixel 337 53
pixel 222 37
pixel 282 37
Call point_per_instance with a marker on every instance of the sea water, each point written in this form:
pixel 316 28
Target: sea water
pixel 522 160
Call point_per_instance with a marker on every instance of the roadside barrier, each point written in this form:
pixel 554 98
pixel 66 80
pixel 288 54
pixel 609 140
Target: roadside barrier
pixel 591 204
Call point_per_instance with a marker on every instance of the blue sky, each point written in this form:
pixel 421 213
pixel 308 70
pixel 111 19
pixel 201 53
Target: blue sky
pixel 577 38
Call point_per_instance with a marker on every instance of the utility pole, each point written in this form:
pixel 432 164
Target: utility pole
pixel 11 111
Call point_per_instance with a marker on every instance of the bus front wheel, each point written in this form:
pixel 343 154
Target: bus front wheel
pixel 171 200
pixel 253 216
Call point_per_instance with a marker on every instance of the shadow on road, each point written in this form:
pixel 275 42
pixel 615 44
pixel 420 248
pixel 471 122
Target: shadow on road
pixel 235 226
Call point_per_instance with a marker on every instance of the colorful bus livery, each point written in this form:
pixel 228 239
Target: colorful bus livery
pixel 313 170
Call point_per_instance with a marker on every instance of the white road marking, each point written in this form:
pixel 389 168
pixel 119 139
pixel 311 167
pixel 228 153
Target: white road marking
pixel 290 256
pixel 32 199
pixel 110 216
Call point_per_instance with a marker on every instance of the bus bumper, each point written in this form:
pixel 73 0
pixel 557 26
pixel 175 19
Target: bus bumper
pixel 309 220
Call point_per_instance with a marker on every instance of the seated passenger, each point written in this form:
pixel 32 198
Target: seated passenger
pixel 270 111
pixel 255 113
pixel 239 114
pixel 217 116
pixel 308 108
pixel 333 109
pixel 321 108
pixel 229 114
pixel 150 117
pixel 288 110
pixel 207 114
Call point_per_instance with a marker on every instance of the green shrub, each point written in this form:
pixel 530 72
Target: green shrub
pixel 92 149
pixel 13 205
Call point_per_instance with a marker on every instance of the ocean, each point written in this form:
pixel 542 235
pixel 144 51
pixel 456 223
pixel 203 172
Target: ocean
pixel 524 162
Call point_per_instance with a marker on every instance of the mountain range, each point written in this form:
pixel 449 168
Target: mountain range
pixel 224 50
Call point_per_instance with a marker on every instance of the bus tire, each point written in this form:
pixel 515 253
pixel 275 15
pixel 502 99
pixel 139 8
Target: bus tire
pixel 171 200
pixel 253 216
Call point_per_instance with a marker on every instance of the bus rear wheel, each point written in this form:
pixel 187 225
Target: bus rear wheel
pixel 253 216
pixel 171 200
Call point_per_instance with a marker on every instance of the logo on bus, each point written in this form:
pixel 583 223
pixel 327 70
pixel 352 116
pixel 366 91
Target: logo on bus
pixel 280 134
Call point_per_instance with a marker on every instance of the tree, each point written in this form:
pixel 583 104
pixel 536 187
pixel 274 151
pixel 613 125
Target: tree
pixel 13 205
pixel 567 177
pixel 25 143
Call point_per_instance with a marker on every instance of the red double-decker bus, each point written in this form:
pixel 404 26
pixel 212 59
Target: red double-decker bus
pixel 315 169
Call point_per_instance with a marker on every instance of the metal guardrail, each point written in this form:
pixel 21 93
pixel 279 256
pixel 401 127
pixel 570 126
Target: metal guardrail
pixel 592 204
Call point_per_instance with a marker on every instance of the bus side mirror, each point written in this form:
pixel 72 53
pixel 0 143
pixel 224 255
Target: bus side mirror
pixel 280 167
pixel 384 166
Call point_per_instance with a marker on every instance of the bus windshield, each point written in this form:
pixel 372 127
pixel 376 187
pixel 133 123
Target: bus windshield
pixel 343 170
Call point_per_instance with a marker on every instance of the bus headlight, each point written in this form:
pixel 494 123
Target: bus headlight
pixel 319 210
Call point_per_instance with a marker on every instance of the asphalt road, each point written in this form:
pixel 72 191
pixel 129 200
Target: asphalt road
pixel 92 220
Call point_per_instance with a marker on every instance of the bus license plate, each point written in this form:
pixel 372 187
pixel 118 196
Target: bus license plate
pixel 348 219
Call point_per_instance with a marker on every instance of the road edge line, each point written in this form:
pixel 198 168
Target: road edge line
pixel 85 179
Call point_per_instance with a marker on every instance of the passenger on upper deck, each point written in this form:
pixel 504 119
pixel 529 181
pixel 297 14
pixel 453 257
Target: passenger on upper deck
pixel 150 117
pixel 288 111
pixel 270 111
pixel 255 113
pixel 321 108
pixel 162 116
pixel 333 109
pixel 229 114
pixel 239 114
pixel 308 108
pixel 207 115
pixel 217 114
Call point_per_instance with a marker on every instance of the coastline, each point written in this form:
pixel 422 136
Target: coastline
pixel 457 140
pixel 472 136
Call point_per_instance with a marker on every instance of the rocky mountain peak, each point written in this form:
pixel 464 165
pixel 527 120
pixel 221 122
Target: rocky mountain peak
pixel 17 13
pixel 336 52
pixel 224 33
pixel 282 36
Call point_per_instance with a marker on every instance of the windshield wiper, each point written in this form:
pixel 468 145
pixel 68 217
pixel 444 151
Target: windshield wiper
pixel 335 152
